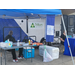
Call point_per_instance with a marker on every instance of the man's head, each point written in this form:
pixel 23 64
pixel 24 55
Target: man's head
pixel 64 31
pixel 10 32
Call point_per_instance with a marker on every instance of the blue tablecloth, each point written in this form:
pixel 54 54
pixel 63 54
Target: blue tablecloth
pixel 72 46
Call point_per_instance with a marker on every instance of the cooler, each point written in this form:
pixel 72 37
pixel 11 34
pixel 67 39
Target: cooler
pixel 53 51
pixel 27 53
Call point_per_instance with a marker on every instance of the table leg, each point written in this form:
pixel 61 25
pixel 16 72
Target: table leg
pixel 31 54
pixel 5 56
pixel 1 56
pixel 26 53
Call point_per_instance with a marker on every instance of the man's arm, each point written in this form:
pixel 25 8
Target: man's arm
pixel 61 39
pixel 13 39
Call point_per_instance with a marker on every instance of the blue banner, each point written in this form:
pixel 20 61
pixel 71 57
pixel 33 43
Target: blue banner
pixel 50 21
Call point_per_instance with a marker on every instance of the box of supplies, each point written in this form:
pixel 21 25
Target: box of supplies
pixel 53 51
pixel 28 53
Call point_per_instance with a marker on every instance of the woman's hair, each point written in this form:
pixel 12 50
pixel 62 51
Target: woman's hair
pixel 10 32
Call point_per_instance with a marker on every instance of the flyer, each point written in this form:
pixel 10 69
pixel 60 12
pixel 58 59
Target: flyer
pixel 50 30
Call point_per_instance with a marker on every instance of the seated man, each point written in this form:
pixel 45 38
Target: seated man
pixel 63 37
pixel 9 36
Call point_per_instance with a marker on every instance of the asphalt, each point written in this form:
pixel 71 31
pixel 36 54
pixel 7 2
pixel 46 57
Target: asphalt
pixel 38 60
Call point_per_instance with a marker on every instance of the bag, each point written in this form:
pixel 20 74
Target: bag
pixel 46 56
pixel 10 43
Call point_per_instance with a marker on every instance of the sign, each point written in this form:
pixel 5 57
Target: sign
pixel 36 24
pixel 50 30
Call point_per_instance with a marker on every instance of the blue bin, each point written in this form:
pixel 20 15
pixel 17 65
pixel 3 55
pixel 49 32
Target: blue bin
pixel 27 53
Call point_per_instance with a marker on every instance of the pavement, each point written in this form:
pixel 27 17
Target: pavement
pixel 38 60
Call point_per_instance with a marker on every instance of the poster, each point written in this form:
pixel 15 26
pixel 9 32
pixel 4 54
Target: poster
pixel 50 30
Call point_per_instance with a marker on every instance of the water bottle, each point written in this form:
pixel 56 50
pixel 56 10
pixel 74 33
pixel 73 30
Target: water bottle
pixel 31 42
pixel 8 40
pixel 17 42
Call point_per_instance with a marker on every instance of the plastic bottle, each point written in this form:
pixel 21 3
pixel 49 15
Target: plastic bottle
pixel 17 42
pixel 8 40
pixel 29 41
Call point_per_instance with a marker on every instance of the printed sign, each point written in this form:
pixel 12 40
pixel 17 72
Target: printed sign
pixel 36 24
pixel 50 30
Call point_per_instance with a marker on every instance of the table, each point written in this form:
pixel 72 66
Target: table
pixel 14 47
pixel 72 46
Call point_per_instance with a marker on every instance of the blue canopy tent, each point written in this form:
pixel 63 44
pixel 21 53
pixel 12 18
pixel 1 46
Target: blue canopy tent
pixel 30 14
pixel 25 14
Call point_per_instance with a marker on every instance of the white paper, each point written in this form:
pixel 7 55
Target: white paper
pixel 73 35
pixel 50 30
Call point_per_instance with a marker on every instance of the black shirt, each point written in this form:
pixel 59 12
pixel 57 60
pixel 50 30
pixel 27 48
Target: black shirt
pixel 63 37
pixel 10 38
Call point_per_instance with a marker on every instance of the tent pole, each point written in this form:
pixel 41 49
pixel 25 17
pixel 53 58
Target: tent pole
pixel 67 39
pixel 27 23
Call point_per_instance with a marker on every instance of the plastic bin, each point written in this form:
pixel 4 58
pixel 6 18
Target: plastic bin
pixel 27 53
pixel 53 51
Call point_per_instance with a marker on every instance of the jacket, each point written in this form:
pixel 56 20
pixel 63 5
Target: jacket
pixel 10 38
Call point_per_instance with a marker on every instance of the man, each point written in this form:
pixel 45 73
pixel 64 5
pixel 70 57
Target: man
pixel 9 36
pixel 63 37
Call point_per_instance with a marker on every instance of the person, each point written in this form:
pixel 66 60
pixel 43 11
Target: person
pixel 63 37
pixel 9 36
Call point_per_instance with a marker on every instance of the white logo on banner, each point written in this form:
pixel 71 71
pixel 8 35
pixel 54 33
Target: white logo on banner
pixel 50 30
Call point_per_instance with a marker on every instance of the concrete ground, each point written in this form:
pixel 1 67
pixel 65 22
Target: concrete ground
pixel 38 60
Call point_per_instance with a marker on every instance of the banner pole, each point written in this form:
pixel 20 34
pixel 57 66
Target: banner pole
pixel 67 39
